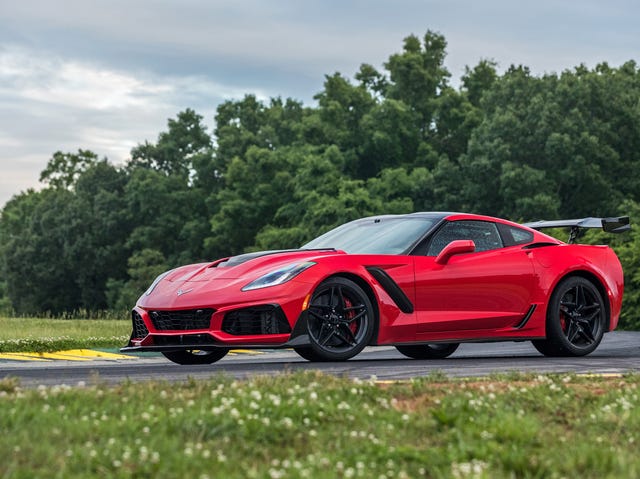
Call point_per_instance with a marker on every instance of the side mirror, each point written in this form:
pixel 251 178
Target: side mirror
pixel 454 248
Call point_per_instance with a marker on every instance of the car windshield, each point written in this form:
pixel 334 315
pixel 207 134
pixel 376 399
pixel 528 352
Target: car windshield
pixel 391 235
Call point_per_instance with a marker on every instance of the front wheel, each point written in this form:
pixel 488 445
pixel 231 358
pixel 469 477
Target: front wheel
pixel 429 351
pixel 340 321
pixel 576 319
pixel 195 356
pixel 306 352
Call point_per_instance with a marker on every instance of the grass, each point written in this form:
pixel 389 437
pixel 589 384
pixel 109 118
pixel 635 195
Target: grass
pixel 46 334
pixel 310 425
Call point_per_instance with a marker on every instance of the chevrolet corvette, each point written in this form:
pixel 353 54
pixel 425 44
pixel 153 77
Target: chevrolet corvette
pixel 422 282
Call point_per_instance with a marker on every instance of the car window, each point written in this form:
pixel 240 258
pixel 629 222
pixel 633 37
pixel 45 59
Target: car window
pixel 483 233
pixel 392 235
pixel 515 236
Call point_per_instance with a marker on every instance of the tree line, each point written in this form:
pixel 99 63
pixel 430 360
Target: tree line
pixel 275 174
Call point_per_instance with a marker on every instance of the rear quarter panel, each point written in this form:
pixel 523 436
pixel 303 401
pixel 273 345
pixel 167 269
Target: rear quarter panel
pixel 600 263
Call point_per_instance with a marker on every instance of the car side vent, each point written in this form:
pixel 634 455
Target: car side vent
pixel 392 289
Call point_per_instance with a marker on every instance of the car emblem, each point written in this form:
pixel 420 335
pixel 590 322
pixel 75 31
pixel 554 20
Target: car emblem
pixel 184 291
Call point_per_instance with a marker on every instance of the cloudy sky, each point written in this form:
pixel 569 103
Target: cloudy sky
pixel 107 74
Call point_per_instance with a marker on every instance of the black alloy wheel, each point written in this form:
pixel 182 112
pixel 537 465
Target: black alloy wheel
pixel 339 321
pixel 429 351
pixel 576 319
pixel 195 356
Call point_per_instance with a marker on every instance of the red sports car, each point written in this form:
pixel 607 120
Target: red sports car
pixel 422 282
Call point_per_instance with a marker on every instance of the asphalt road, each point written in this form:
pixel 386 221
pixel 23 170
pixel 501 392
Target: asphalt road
pixel 618 353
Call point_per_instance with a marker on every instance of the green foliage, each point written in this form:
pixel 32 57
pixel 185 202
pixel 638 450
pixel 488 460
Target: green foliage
pixel 61 245
pixel 178 149
pixel 64 169
pixel 418 75
pixel 390 137
pixel 143 267
pixel 275 174
pixel 566 128
pixel 37 263
pixel 479 79
pixel 5 303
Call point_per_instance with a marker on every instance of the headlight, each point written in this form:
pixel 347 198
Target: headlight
pixel 156 281
pixel 278 276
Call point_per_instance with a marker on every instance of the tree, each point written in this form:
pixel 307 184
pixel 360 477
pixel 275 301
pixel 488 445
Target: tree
pixel 418 76
pixel 390 138
pixel 61 245
pixel 177 149
pixel 478 80
pixel 35 230
pixel 168 187
pixel 142 268
pixel 64 169
pixel 168 216
pixel 255 188
pixel 96 248
pixel 560 135
pixel 341 108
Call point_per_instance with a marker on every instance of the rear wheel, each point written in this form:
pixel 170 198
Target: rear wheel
pixel 576 319
pixel 339 321
pixel 429 351
pixel 195 356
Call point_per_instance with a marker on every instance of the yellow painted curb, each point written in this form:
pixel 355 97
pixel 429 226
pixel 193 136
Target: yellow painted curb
pixel 68 355
pixel 20 357
pixel 245 351
pixel 90 353
pixel 58 355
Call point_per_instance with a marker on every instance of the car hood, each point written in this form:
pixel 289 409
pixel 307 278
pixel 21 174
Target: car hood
pixel 192 285
pixel 249 266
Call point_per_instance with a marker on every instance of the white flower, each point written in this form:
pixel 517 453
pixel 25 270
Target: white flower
pixel 255 394
pixel 288 422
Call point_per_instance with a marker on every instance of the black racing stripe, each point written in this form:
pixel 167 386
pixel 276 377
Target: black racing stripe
pixel 392 289
pixel 243 258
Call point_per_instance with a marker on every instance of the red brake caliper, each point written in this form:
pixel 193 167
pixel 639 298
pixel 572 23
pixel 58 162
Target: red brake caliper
pixel 350 314
pixel 563 320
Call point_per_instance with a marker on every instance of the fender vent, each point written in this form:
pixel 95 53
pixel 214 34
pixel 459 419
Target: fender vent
pixel 392 289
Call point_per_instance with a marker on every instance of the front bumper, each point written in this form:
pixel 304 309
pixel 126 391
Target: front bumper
pixel 300 340
pixel 148 335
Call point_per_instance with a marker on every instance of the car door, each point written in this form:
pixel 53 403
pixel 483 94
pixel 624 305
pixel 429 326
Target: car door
pixel 484 290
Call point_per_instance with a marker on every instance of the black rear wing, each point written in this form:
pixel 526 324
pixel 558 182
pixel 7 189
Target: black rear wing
pixel 618 224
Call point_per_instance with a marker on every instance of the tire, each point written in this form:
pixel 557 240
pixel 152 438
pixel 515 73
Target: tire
pixel 195 356
pixel 429 351
pixel 576 319
pixel 340 321
pixel 308 353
